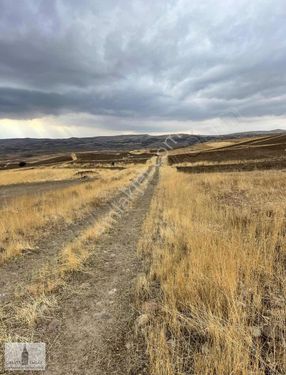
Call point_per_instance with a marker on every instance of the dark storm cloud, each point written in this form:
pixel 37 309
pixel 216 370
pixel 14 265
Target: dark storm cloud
pixel 163 60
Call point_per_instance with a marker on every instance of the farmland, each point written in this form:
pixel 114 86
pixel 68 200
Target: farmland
pixel 79 159
pixel 270 148
pixel 146 263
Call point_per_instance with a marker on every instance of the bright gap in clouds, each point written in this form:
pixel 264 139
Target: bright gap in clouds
pixel 79 126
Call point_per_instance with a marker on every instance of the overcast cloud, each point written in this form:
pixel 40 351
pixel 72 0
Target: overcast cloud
pixel 141 66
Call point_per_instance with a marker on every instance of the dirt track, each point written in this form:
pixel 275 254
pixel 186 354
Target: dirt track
pixel 97 314
pixel 88 332
pixel 19 271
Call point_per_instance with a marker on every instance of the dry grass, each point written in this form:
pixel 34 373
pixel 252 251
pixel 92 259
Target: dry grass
pixel 38 299
pixel 42 290
pixel 218 163
pixel 70 259
pixel 22 176
pixel 25 219
pixel 207 146
pixel 216 144
pixel 215 245
pixel 73 256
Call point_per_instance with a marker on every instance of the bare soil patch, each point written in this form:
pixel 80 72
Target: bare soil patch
pixel 234 167
pixel 272 148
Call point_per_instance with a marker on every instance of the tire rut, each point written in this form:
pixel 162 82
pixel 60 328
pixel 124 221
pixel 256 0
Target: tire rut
pixel 20 271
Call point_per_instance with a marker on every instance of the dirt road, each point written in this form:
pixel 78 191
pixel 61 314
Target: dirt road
pixel 97 315
pixel 88 333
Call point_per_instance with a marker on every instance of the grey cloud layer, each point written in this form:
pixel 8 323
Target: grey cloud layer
pixel 176 60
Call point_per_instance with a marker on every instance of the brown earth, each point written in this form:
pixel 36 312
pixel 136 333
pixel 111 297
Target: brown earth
pixel 94 158
pixel 271 147
pixel 234 167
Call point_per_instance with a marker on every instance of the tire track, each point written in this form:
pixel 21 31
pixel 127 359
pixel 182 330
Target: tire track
pixel 89 331
pixel 20 271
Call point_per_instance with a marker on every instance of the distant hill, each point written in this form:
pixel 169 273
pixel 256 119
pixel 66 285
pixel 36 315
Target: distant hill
pixel 29 147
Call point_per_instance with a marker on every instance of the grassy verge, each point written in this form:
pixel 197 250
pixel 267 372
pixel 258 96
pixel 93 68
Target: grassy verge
pixel 215 249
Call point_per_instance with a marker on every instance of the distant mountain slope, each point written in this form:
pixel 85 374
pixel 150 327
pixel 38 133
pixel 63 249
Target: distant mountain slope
pixel 27 147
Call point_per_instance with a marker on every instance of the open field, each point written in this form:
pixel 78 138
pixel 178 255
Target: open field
pixel 25 175
pixel 142 187
pixel 271 148
pixel 203 294
pixel 203 146
pixel 214 246
pixel 232 167
pixel 77 159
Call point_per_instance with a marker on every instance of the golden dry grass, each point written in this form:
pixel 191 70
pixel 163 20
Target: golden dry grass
pixel 74 254
pixel 223 162
pixel 22 176
pixel 25 219
pixel 42 290
pixel 215 244
pixel 216 144
pixel 205 146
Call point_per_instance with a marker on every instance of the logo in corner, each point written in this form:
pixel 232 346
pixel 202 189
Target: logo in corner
pixel 25 356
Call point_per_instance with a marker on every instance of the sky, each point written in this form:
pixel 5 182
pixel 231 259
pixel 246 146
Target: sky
pixel 93 67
